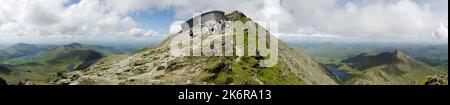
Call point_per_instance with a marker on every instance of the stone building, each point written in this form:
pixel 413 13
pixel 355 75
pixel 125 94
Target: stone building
pixel 211 22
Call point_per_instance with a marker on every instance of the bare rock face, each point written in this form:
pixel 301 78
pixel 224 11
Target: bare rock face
pixel 2 82
pixel 66 79
pixel 437 80
pixel 63 82
pixel 26 82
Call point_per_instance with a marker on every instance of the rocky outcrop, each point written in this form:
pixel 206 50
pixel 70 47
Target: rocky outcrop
pixel 2 82
pixel 437 80
pixel 62 78
pixel 26 82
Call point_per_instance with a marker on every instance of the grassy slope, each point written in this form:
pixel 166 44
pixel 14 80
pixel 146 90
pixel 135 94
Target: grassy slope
pixel 247 71
pixel 44 67
pixel 244 72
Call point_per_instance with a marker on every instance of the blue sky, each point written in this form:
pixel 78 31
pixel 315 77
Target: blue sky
pixel 156 20
pixel 71 2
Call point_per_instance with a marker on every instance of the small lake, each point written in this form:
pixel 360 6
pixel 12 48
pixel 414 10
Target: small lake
pixel 340 74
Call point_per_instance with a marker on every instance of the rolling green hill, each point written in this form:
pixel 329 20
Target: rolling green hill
pixel 27 50
pixel 4 55
pixel 22 52
pixel 435 55
pixel 42 68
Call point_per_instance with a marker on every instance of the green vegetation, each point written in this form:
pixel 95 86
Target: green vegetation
pixel 40 64
pixel 279 75
pixel 333 53
pixel 246 71
pixel 388 68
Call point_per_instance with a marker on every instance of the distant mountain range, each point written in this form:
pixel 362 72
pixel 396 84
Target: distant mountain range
pixel 433 55
pixel 72 56
pixel 23 51
pixel 41 62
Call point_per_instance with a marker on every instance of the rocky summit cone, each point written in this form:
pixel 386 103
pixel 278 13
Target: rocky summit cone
pixel 156 66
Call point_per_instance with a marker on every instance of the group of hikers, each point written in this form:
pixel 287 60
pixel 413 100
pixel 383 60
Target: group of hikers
pixel 210 27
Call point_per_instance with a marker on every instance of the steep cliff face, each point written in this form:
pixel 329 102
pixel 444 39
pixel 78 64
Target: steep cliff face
pixel 156 66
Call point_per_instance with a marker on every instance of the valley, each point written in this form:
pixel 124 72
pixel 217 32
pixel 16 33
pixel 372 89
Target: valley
pixel 41 63
pixel 372 64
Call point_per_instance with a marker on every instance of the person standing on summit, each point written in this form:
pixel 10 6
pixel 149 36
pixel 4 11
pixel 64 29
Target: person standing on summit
pixel 191 33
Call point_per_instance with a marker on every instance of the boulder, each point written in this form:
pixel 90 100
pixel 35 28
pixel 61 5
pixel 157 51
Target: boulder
pixel 26 82
pixel 2 82
pixel 436 80
pixel 156 82
pixel 189 82
pixel 75 83
pixel 63 82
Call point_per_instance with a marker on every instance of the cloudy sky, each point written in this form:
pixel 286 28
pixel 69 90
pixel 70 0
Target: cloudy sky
pixel 48 21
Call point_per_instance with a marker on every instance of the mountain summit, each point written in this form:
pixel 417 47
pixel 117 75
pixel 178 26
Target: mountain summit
pixel 365 61
pixel 73 46
pixel 388 68
pixel 156 66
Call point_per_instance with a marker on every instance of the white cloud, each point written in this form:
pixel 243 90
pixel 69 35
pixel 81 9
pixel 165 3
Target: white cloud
pixel 399 19
pixel 140 32
pixel 441 34
pixel 50 17
pixel 389 19
pixel 127 6
pixel 175 27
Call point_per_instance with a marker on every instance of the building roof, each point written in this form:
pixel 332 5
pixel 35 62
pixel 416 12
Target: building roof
pixel 218 15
